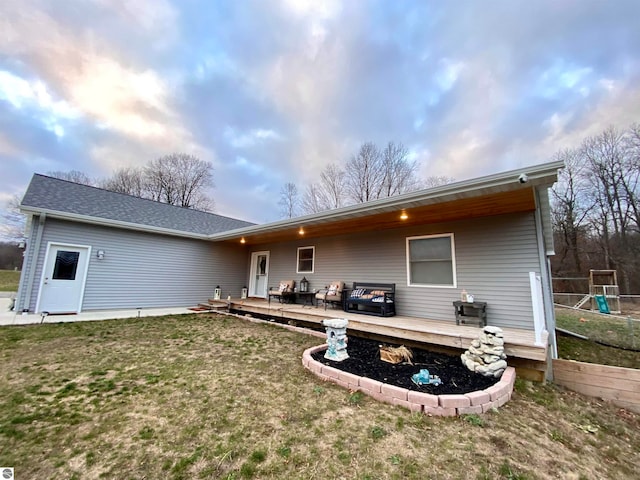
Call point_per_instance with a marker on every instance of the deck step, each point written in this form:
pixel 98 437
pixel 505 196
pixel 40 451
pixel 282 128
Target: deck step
pixel 214 305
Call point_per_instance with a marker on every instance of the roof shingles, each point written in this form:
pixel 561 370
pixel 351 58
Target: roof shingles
pixel 56 195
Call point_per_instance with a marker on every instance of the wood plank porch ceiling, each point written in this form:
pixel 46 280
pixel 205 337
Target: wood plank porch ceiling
pixel 521 200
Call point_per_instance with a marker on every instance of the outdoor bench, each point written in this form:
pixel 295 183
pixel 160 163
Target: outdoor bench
pixel 371 299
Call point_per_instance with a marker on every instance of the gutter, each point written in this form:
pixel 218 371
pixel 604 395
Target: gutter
pixel 545 174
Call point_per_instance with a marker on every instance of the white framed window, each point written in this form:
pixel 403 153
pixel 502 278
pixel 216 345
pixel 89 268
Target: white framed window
pixel 431 261
pixel 306 259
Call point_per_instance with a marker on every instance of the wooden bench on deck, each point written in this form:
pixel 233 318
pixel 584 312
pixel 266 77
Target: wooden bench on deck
pixel 371 299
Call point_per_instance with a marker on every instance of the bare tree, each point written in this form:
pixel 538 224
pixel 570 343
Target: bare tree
pixel 596 207
pixel 328 193
pixel 632 179
pixel 288 200
pixel 437 181
pixel 605 155
pixel 129 180
pixel 13 225
pixel 311 200
pixel 399 173
pixel 364 173
pixel 179 179
pixel 373 174
pixel 570 207
pixel 332 187
pixel 11 256
pixel 74 176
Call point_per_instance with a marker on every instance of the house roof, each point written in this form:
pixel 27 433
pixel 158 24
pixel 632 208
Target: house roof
pixel 72 201
pixel 490 195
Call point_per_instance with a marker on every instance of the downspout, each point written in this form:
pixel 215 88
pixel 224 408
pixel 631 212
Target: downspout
pixel 33 253
pixel 22 284
pixel 547 295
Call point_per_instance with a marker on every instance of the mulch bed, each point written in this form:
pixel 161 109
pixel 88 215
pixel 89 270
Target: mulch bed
pixel 364 361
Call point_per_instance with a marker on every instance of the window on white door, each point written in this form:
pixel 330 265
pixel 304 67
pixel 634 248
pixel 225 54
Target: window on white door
pixel 66 265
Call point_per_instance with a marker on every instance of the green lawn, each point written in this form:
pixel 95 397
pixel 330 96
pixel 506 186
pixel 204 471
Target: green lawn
pixel 9 280
pixel 205 396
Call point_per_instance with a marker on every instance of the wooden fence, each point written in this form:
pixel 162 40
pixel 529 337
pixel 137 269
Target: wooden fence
pixel 619 385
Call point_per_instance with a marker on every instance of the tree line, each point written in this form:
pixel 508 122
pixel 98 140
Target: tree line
pixel 177 179
pixel 369 174
pixel 595 204
pixel 596 208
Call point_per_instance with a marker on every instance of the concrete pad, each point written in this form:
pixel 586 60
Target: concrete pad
pixel 14 318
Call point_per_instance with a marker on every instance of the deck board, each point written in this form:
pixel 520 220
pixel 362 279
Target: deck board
pixel 518 343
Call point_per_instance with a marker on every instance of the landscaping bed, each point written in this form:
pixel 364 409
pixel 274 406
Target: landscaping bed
pixel 364 361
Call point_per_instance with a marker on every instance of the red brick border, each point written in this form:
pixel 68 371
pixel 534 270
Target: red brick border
pixel 481 401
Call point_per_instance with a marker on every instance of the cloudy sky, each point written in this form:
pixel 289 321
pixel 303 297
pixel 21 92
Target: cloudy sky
pixel 272 91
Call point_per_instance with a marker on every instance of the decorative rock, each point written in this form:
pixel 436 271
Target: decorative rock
pixel 490 358
pixel 476 351
pixel 495 350
pixel 486 354
pixel 497 331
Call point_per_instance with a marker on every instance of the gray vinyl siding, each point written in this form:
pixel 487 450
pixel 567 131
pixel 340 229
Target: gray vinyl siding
pixel 146 270
pixel 494 256
pixel 26 265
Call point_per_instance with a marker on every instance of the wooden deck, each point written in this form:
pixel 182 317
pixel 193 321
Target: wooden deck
pixel 520 347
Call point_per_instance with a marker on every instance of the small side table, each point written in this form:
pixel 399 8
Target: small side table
pixel 466 310
pixel 307 297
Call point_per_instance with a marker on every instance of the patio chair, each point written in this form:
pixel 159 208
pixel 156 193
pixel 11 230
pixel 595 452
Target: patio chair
pixel 332 294
pixel 283 292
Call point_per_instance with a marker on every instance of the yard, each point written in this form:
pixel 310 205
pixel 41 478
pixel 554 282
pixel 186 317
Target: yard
pixel 205 396
pixel 613 340
pixel 9 280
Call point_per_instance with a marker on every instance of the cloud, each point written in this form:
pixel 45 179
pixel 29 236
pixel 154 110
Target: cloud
pixel 86 76
pixel 156 18
pixel 7 147
pixel 250 138
pixel 273 91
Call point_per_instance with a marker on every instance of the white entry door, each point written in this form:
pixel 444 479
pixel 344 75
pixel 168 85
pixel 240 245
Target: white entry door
pixel 259 275
pixel 63 279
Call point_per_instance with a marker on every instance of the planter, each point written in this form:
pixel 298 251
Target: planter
pixel 477 402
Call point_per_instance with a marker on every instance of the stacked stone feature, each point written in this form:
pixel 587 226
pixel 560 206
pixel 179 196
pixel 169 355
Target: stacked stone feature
pixel 486 353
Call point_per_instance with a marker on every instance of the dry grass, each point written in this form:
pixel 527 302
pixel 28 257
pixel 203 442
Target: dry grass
pixel 607 329
pixel 203 396
pixel 9 280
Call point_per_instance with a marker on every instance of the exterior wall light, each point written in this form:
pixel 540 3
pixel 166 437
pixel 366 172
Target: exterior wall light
pixel 100 254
